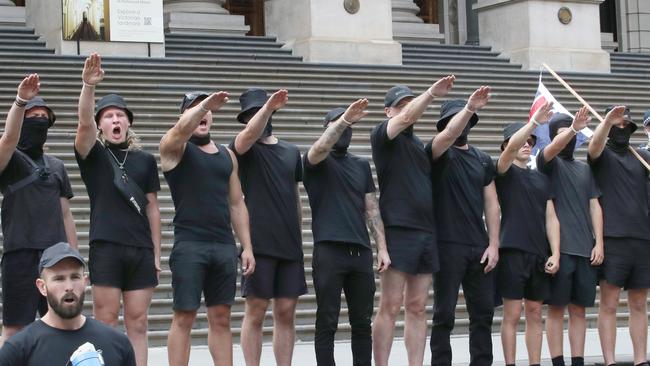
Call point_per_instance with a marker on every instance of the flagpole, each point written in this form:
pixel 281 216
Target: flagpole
pixel 584 102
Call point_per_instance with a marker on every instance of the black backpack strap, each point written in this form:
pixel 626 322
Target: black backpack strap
pixel 36 171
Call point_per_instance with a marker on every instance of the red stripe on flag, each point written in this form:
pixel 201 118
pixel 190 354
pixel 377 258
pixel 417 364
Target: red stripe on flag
pixel 537 104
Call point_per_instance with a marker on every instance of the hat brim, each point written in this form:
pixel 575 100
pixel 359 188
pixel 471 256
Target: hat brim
pixel 129 114
pixel 505 140
pixel 444 120
pixel 247 110
pixel 400 98
pixel 631 123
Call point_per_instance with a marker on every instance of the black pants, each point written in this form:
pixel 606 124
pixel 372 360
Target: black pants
pixel 340 266
pixel 460 264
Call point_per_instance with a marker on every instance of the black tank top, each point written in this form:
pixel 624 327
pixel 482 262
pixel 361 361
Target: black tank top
pixel 199 185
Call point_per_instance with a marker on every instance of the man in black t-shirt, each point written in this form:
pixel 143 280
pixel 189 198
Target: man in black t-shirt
pixel 622 180
pixel 341 194
pixel 35 206
pixel 207 196
pixel 406 205
pixel 64 335
pixel 529 232
pixel 270 169
pixel 581 237
pixel 464 190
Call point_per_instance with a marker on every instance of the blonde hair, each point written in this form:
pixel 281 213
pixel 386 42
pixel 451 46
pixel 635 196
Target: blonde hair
pixel 131 138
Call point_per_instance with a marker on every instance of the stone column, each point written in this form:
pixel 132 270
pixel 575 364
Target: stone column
pixel 205 16
pixel 323 31
pixel 530 32
pixel 10 14
pixel 472 23
pixel 638 27
pixel 407 26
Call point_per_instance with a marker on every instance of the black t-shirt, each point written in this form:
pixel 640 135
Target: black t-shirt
pixel 459 177
pixel 268 174
pixel 523 195
pixel 573 187
pixel 622 180
pixel 337 188
pixel 200 185
pixel 38 344
pixel 31 215
pixel 111 218
pixel 404 174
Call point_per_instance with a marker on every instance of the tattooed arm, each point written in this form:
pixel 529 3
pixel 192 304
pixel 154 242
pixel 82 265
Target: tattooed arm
pixel 324 144
pixel 376 226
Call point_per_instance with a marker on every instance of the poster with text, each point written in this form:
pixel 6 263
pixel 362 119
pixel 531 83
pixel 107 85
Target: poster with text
pixel 136 20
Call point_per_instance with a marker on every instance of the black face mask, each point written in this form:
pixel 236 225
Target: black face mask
pixel 619 138
pixel 462 139
pixel 121 146
pixel 341 146
pixel 408 131
pixel 33 135
pixel 567 152
pixel 268 129
pixel 200 140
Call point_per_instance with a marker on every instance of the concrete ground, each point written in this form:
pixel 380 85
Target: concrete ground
pixel 304 352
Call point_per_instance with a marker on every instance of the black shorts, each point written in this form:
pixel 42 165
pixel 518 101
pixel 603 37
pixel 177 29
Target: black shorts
pixel 121 266
pixel 626 263
pixel 412 251
pixel 20 297
pixel 274 278
pixel 203 267
pixel 574 283
pixel 520 275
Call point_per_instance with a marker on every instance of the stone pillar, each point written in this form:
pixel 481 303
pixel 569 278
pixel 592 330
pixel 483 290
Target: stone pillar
pixel 10 14
pixel 407 26
pixel 638 27
pixel 323 31
pixel 472 23
pixel 529 32
pixel 205 16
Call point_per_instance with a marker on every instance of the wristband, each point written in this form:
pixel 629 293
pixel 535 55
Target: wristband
pixel 535 122
pixel 574 130
pixel 430 93
pixel 346 121
pixel 88 85
pixel 21 100
pixel 469 110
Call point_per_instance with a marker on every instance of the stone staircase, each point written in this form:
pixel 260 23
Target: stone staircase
pixel 153 88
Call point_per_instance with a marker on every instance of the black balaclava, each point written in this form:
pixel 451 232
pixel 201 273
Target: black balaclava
pixel 200 140
pixel 33 135
pixel 560 122
pixel 268 129
pixel 341 146
pixel 462 139
pixel 619 138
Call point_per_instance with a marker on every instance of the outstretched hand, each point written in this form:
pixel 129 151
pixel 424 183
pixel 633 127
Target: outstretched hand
pixel 356 111
pixel 29 87
pixel 442 86
pixel 615 116
pixel 278 100
pixel 581 119
pixel 93 73
pixel 215 101
pixel 479 98
pixel 544 113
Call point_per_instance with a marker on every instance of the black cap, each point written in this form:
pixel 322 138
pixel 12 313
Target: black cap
pixel 333 115
pixel 112 100
pixel 557 121
pixel 627 116
pixel 449 109
pixel 511 129
pixel 58 252
pixel 646 118
pixel 40 102
pixel 395 94
pixel 251 99
pixel 190 98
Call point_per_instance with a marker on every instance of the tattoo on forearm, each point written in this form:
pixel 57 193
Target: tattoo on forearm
pixel 373 219
pixel 331 135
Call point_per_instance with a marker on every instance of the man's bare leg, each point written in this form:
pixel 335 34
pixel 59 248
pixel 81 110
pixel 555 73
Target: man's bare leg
pixel 638 323
pixel 555 330
pixel 577 330
pixel 219 335
pixel 415 317
pixel 251 330
pixel 284 330
pixel 533 311
pixel 390 303
pixel 178 339
pixel 609 296
pixel 511 316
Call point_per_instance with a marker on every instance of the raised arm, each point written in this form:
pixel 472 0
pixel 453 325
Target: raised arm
pixel 596 212
pixel 446 137
pixel 322 147
pixel 239 218
pixel 412 112
pixel 553 236
pixel 376 226
pixel 91 75
pixel 560 141
pixel 598 141
pixel 492 222
pixel 254 128
pixel 172 144
pixel 27 89
pixel 519 138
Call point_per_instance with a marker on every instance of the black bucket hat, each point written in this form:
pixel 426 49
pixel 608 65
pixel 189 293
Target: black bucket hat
pixel 112 100
pixel 333 115
pixel 40 102
pixel 395 94
pixel 190 98
pixel 627 117
pixel 449 109
pixel 558 121
pixel 251 99
pixel 511 129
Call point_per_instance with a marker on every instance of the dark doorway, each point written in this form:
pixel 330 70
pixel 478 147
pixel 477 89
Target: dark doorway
pixel 253 12
pixel 608 22
pixel 428 10
pixel 19 2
